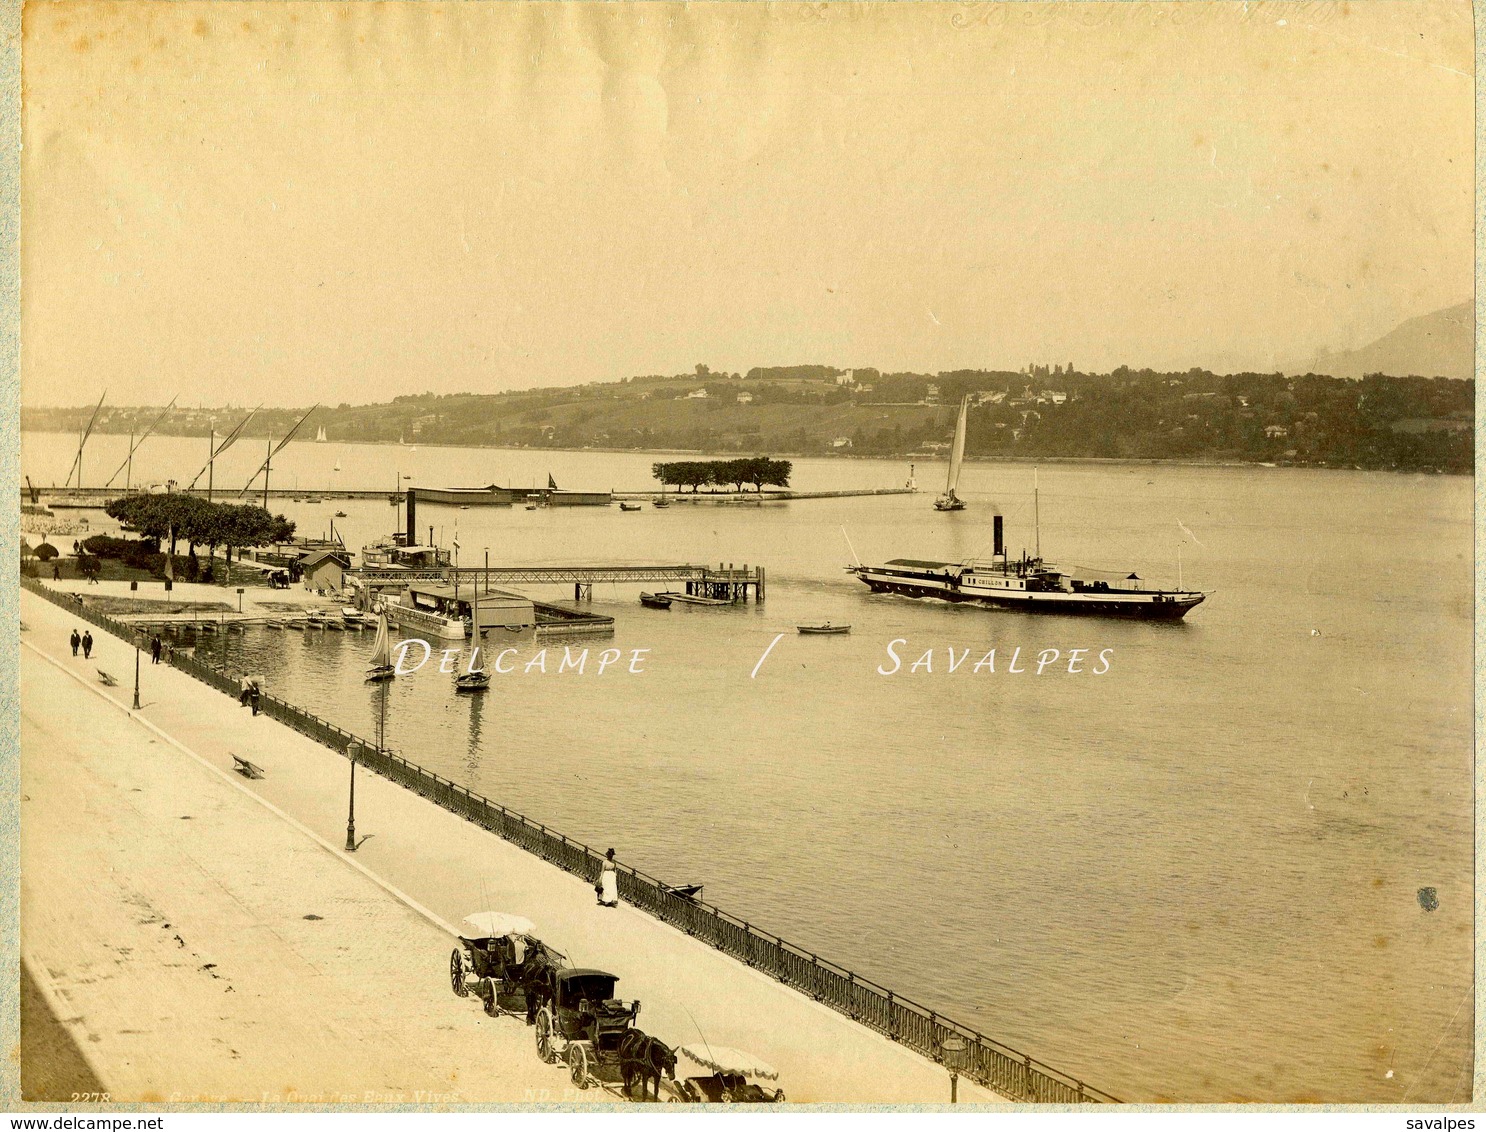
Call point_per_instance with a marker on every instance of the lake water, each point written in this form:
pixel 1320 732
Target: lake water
pixel 1196 876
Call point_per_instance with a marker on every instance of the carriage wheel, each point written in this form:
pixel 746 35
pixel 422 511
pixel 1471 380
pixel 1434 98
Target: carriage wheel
pixel 456 973
pixel 544 1037
pixel 578 1064
pixel 487 993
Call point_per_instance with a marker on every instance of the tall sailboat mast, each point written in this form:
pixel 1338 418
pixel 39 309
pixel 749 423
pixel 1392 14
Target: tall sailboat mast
pixel 82 439
pixel 950 500
pixel 1036 515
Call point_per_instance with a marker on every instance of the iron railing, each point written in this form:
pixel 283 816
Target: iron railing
pixel 998 1067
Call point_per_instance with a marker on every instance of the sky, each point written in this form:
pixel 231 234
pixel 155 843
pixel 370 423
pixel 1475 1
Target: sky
pixel 244 202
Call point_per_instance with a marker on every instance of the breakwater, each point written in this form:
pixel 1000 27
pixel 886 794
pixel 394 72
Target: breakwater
pixel 998 1067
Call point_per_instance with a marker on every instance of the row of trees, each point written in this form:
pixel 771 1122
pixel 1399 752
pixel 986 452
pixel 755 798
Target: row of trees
pixel 177 518
pixel 759 471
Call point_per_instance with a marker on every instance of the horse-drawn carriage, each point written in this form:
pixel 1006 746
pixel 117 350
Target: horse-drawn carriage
pixel 498 959
pixel 708 1074
pixel 580 1021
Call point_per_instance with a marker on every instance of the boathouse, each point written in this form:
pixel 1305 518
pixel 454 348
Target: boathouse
pixel 324 569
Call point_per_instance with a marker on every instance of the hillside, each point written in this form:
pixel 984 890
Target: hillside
pixel 1406 423
pixel 1441 344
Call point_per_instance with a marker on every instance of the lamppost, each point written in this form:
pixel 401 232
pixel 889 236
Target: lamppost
pixel 950 1049
pixel 351 816
pixel 136 674
pixel 487 569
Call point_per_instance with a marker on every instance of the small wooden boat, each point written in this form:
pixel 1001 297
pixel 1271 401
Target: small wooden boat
pixel 381 667
pixel 340 514
pixel 299 625
pixel 353 616
pixel 531 506
pixel 274 624
pixel 655 601
pixel 824 628
pixel 629 506
pixel 333 626
pixel 476 681
pixel 661 502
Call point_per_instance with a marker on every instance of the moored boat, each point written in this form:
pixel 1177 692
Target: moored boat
pixel 655 601
pixel 476 681
pixel 629 506
pixel 381 667
pixel 823 629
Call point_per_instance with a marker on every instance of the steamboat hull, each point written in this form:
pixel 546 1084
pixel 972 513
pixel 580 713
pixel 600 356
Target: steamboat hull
pixel 1130 605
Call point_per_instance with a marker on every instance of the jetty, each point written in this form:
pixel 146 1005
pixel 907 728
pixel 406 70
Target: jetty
pixel 723 582
pixel 726 498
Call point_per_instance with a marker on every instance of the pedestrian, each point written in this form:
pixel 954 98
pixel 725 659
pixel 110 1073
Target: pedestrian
pixel 155 646
pixel 88 644
pixel 76 640
pixel 607 888
pixel 56 572
pixel 245 689
pixel 253 695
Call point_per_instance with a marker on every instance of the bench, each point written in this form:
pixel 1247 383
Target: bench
pixel 245 768
pixel 108 681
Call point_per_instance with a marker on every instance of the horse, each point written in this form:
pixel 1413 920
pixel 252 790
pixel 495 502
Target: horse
pixel 535 979
pixel 644 1058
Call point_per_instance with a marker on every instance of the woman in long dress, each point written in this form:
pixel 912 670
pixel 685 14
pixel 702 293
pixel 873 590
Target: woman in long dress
pixel 608 885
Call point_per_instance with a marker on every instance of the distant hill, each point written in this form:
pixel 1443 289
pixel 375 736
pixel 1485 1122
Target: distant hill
pixel 1441 344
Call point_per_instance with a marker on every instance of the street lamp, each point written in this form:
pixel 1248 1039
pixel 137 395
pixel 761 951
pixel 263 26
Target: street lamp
pixel 351 816
pixel 951 1048
pixel 136 674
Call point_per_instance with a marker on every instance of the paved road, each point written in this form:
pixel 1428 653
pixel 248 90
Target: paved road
pixel 184 841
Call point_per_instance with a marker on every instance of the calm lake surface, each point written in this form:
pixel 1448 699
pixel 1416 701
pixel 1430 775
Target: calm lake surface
pixel 1195 876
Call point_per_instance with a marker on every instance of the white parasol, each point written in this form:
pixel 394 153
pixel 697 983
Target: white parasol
pixel 723 1059
pixel 496 924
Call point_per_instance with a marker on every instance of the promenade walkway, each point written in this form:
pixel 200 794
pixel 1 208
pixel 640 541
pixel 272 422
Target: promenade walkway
pixel 131 821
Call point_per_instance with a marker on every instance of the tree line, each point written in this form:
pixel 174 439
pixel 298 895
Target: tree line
pixel 758 471
pixel 175 519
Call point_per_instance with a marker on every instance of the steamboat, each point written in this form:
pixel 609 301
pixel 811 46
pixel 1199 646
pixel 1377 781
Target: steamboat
pixel 1027 583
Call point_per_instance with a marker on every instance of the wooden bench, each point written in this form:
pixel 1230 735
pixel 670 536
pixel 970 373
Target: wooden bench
pixel 245 768
pixel 108 681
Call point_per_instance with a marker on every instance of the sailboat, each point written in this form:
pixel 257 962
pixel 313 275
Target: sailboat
pixel 381 667
pixel 320 436
pixel 949 501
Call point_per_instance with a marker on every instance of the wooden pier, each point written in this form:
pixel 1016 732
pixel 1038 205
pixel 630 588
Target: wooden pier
pixel 724 581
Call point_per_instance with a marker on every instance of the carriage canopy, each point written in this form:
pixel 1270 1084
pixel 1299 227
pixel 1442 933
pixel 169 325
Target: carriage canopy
pixel 576 984
pixel 495 924
pixel 726 1060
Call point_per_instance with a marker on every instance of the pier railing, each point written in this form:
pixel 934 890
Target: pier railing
pixel 999 1068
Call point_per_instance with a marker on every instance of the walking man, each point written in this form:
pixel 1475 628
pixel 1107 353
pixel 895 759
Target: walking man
pixel 245 689
pixel 253 695
pixel 75 640
pixel 155 649
pixel 87 644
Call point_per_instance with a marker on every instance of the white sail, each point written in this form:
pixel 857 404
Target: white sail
pixel 382 650
pixel 957 454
